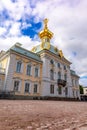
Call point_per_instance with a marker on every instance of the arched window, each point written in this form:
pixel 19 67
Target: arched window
pixel 28 70
pixel 59 75
pixel 51 74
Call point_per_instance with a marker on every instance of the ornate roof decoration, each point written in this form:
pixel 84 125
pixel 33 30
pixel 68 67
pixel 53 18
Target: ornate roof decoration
pixel 45 32
pixel 61 53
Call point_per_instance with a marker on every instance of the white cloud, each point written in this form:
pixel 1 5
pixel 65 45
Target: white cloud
pixel 10 41
pixel 15 29
pixel 2 30
pixel 67 20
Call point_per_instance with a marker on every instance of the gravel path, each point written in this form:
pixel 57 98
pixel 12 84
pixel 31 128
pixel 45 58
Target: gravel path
pixel 42 115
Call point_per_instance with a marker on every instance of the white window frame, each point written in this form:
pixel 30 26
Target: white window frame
pixel 18 85
pixel 34 88
pixel 37 67
pixel 21 68
pixel 30 69
pixel 25 87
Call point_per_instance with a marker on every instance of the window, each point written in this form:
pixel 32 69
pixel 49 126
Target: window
pixel 59 75
pixel 73 94
pixel 60 90
pixel 65 77
pixel 45 39
pixel 51 89
pixel 76 93
pixel 27 87
pixel 16 85
pixel 58 65
pixel 72 82
pixel 28 69
pixel 76 82
pixel 51 61
pixel 35 88
pixel 66 91
pixel 51 74
pixel 36 72
pixel 64 67
pixel 18 68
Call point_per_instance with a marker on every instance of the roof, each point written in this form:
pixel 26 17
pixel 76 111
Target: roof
pixel 74 73
pixel 37 49
pixel 25 52
pixel 52 49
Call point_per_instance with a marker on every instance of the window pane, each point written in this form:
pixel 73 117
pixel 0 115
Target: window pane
pixel 65 77
pixel 51 74
pixel 51 89
pixel 18 69
pixel 66 91
pixel 35 88
pixel 60 90
pixel 27 87
pixel 59 65
pixel 36 72
pixel 64 67
pixel 16 85
pixel 28 69
pixel 51 61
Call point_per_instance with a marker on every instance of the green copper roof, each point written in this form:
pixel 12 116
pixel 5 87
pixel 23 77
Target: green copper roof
pixel 25 52
pixel 73 73
pixel 52 49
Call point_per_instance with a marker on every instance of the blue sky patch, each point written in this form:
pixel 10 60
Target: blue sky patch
pixel 32 30
pixel 83 77
pixel 4 15
pixel 74 53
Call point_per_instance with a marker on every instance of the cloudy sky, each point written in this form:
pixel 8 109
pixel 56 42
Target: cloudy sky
pixel 21 20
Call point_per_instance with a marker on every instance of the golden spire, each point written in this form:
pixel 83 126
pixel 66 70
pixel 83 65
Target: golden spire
pixel 45 32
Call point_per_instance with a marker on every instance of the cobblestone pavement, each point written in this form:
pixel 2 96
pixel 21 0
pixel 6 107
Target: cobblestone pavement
pixel 42 115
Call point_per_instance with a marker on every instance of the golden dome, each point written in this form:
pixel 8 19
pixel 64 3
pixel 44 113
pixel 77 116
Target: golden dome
pixel 45 32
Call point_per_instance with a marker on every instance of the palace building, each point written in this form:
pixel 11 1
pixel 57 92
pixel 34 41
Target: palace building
pixel 40 73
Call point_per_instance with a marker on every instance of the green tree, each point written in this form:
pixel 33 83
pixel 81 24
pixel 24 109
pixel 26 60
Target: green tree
pixel 81 89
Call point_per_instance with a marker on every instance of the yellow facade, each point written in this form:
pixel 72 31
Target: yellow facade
pixel 25 77
pixel 4 62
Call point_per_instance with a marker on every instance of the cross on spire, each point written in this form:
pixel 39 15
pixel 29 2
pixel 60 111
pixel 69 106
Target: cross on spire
pixel 45 23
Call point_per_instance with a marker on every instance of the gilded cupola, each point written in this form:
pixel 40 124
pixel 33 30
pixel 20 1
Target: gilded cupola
pixel 45 36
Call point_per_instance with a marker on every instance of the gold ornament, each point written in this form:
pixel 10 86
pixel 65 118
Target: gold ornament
pixel 33 49
pixel 61 53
